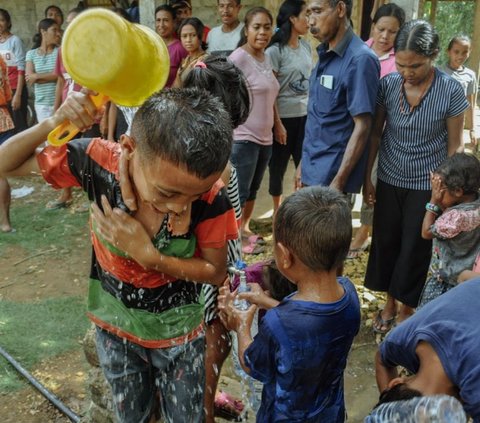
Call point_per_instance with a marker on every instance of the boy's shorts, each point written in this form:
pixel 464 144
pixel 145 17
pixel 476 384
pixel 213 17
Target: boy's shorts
pixel 136 374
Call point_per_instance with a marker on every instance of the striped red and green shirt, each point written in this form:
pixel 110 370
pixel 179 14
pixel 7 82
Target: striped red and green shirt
pixel 149 308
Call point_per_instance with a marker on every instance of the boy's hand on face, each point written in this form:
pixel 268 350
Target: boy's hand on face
pixel 126 187
pixel 122 231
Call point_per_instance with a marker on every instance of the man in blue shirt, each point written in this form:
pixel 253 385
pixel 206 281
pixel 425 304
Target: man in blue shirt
pixel 440 344
pixel 343 89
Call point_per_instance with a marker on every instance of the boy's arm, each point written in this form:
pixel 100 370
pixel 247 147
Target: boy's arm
pixel 244 341
pixel 18 154
pixel 129 235
pixel 383 373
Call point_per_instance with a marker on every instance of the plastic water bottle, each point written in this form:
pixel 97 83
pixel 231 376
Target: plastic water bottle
pixel 432 409
pixel 240 267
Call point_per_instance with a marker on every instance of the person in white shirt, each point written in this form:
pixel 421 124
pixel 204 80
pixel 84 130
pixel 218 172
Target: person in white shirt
pixel 223 39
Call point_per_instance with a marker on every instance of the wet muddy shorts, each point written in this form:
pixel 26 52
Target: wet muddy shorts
pixel 136 374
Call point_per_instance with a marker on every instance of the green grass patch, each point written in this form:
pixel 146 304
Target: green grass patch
pixel 34 332
pixel 39 229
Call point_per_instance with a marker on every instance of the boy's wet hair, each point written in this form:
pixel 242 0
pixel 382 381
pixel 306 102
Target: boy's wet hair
pixel 187 127
pixel 399 392
pixel 223 79
pixel 461 171
pixel 315 224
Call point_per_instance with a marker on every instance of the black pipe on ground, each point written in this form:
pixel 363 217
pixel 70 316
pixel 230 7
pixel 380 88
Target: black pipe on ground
pixel 44 391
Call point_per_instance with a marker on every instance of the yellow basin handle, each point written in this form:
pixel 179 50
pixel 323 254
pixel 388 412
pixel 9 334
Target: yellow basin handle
pixel 67 130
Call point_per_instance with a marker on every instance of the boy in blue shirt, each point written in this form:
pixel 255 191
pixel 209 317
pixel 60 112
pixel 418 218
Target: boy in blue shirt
pixel 300 351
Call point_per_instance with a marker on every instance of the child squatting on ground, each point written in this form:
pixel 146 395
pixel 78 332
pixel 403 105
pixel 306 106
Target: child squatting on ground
pixel 452 220
pixel 300 351
pixel 147 310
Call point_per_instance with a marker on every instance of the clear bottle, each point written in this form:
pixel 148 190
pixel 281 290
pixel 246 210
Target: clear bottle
pixel 240 267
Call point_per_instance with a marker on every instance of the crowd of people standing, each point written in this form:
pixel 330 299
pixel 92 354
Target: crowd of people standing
pixel 375 116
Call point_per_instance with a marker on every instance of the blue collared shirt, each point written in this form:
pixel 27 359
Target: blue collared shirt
pixel 343 84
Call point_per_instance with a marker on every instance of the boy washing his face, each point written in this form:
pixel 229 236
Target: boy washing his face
pixel 147 310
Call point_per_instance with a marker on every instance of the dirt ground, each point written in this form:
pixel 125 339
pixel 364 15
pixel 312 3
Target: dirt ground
pixel 26 276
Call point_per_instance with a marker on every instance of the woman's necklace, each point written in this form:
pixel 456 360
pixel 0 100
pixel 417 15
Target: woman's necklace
pixel 263 67
pixel 419 98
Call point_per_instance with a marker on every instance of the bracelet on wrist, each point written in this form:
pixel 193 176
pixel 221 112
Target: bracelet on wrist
pixel 436 210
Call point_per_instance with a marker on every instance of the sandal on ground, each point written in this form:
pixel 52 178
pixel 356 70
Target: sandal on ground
pixel 253 249
pixel 228 407
pixel 386 324
pixel 82 208
pixel 354 253
pixel 255 239
pixel 57 204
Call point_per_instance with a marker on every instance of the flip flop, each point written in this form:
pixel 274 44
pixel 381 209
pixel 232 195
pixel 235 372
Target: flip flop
pixel 227 407
pixel 56 204
pixel 378 323
pixel 253 249
pixel 354 253
pixel 256 239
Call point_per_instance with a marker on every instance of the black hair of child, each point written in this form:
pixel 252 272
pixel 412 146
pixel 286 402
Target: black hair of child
pixel 43 25
pixel 399 392
pixel 277 284
pixel 461 171
pixel 315 224
pixel 187 127
pixel 223 79
pixel 458 39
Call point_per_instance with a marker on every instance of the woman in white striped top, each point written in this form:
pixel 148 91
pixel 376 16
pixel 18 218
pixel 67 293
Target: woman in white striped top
pixel 418 123
pixel 40 66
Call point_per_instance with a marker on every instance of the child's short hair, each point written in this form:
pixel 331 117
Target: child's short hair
pixel 399 392
pixel 461 171
pixel 188 127
pixel 315 224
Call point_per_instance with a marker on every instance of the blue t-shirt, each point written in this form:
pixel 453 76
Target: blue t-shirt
pixel 300 354
pixel 343 84
pixel 451 325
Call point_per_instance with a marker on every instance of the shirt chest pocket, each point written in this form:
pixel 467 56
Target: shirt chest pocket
pixel 326 99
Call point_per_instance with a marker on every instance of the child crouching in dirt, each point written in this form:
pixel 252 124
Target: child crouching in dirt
pixel 147 310
pixel 300 351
